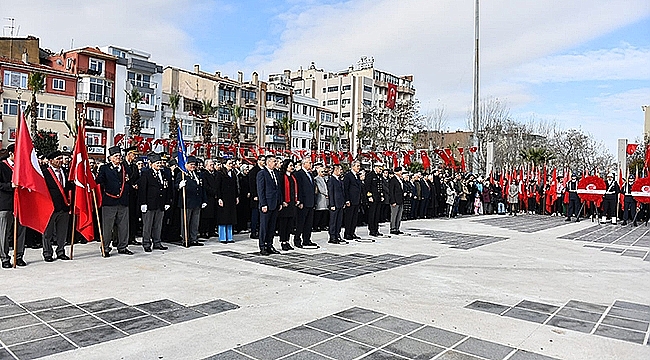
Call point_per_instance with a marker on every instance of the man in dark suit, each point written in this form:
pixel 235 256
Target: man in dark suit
pixel 426 197
pixel 59 188
pixel 352 188
pixel 154 196
pixel 114 179
pixel 7 213
pixel 307 199
pixel 396 198
pixel 193 199
pixel 374 191
pixel 336 204
pixel 208 222
pixel 255 209
pixel 132 185
pixel 268 193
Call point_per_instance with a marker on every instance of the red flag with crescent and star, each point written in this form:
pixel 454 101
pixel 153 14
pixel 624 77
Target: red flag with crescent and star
pixel 392 96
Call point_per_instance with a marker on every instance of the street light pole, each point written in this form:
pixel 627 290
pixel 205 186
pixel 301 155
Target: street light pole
pixel 475 116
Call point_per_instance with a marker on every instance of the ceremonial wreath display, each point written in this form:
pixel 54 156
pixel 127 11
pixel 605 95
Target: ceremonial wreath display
pixel 592 188
pixel 641 190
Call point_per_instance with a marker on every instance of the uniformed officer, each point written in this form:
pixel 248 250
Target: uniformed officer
pixel 574 200
pixel 57 228
pixel 154 197
pixel 375 193
pixel 609 200
pixel 195 200
pixel 629 204
pixel 134 176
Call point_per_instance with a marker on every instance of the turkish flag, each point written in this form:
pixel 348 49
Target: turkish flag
pixel 392 96
pixel 631 148
pixel 32 201
pixel 84 181
pixel 426 162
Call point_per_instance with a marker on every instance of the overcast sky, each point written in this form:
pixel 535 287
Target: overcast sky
pixel 582 63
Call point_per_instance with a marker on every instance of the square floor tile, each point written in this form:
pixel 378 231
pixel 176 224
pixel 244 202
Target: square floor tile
pixel 397 325
pixel 60 313
pixel 333 324
pixel 360 315
pixel 10 310
pixel 314 271
pixel 629 314
pixel 159 306
pixel 455 355
pixel 371 336
pixel 214 307
pixel 337 276
pixel 356 272
pixel 45 304
pixel 620 334
pixel 527 315
pixel 537 306
pixel 41 348
pixel 95 335
pixel 5 355
pixel 487 307
pixel 5 300
pixel 341 349
pixel 102 305
pixel 76 323
pixel 17 321
pixel 625 323
pixel 571 324
pixel 632 306
pixel 120 314
pixel 141 324
pixel 228 355
pixel 381 355
pixel 579 314
pixel 180 315
pixel 267 349
pixel 305 355
pixel 303 336
pixel 438 336
pixel 28 333
pixel 527 355
pixel 483 348
pixel 414 349
pixel 581 305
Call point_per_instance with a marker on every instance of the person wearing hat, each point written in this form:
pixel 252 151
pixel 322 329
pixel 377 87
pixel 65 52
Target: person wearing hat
pixel 629 203
pixel 609 200
pixel 59 188
pixel 559 200
pixel 7 213
pixel 396 199
pixel 195 200
pixel 574 201
pixel 154 197
pixel 114 180
pixel 374 191
pixel 131 164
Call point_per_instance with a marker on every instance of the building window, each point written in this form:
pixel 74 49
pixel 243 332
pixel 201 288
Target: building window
pixel 280 99
pixel 198 129
pixel 96 116
pixel 333 102
pixel 93 139
pixel 297 91
pixel 324 90
pixel 248 95
pixel 345 101
pixel 367 88
pixel 332 88
pixel 140 80
pixel 305 109
pixel 325 116
pixel 304 126
pixel 119 53
pixel 224 114
pixel 345 115
pixel 56 112
pixel 346 87
pixel 295 126
pixel 15 79
pixel 98 88
pixel 276 115
pixel 304 143
pixel 226 95
pixel 307 91
pixel 10 106
pixel 97 66
pixel 187 128
pixel 58 84
pixel 367 102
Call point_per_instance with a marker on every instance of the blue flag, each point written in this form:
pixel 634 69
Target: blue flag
pixel 182 152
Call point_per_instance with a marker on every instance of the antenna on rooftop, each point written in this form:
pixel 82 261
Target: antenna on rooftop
pixel 11 27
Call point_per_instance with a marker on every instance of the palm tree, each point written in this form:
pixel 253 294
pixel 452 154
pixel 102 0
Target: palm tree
pixel 536 156
pixel 347 128
pixel 174 100
pixel 285 125
pixel 237 113
pixel 134 97
pixel 313 127
pixel 35 83
pixel 334 139
pixel 207 110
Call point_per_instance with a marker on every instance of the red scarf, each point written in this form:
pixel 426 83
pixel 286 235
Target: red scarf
pixel 56 180
pixel 287 188
pixel 123 182
pixel 8 164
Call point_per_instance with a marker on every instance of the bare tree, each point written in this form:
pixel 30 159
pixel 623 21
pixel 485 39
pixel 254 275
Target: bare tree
pixel 436 119
pixel 391 129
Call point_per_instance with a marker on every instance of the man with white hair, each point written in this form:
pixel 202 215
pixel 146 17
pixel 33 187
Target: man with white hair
pixel 609 200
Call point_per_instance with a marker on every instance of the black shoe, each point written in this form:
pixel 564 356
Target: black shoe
pixel 20 262
pixel 297 244
pixel 255 236
pixel 373 234
pixel 63 257
pixel 147 249
pixel 567 219
pixel 6 265
pixel 272 250
pixel 264 252
pixel 160 247
pixel 230 241
pixel 355 237
pixel 195 243
pixel 125 252
pixel 48 259
pixel 380 234
pixel 107 254
pixel 82 241
pixel 286 246
pixel 634 224
pixel 394 232
pixel 333 241
pixel 624 223
pixel 135 242
pixel 348 238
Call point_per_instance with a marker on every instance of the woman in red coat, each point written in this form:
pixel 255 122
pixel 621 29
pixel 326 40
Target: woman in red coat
pixel 289 195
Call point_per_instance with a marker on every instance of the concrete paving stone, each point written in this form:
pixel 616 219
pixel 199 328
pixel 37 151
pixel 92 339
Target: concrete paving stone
pixel 396 324
pixel 333 325
pixel 94 336
pixel 527 355
pixel 383 266
pixel 60 313
pixel 527 315
pixel 360 315
pixel 228 355
pixel 455 355
pixel 269 262
pixel 381 355
pixel 27 333
pixel 41 348
pixel 579 314
pixel 141 324
pixel 438 336
pixel 571 324
pixel 487 307
pixel 581 305
pixel 305 355
pixel 5 355
pixel 11 310
pixel 360 255
pixel 355 272
pixel 314 271
pixel 333 267
pixel 45 304
pixel 76 323
pixel 483 348
pixel 337 276
pixel 613 250
pixel 594 246
pixel 537 306
pixel 303 336
pixel 413 349
pixel 5 300
pixel 370 268
pixel 620 334
pixel 12 322
pixel 625 323
pixel 350 264
pixel 294 267
pixel 214 307
pixel 371 336
pixel 341 349
pixel 102 305
pixel 159 306
pixel 632 306
pixel 267 349
pixel 385 257
pixel 180 315
pixel 120 314
pixel 333 260
pixel 629 314
pixel 314 263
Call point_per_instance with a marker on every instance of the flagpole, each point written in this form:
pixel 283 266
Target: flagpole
pixel 74 218
pixel 99 223
pixel 185 212
pixel 18 121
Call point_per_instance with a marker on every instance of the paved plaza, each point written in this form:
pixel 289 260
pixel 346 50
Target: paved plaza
pixel 490 287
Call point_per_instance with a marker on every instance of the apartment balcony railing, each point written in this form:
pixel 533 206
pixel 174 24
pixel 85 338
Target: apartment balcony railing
pixel 95 98
pixel 105 74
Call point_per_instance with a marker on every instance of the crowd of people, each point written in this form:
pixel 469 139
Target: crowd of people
pixel 152 197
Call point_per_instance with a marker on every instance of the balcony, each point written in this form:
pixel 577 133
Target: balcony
pixel 249 119
pixel 95 98
pixel 227 101
pixel 250 102
pixel 278 139
pixel 273 105
pixel 87 71
pixel 250 137
pixel 284 89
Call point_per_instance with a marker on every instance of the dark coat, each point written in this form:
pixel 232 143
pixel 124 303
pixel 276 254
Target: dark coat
pixel 268 191
pixel 352 188
pixel 373 186
pixel 61 201
pixel 336 193
pixel 210 187
pixel 252 185
pixel 115 184
pixel 6 190
pixel 194 192
pixel 290 210
pixel 227 192
pixel 152 192
pixel 396 191
pixel 306 188
pixel 426 189
pixel 385 189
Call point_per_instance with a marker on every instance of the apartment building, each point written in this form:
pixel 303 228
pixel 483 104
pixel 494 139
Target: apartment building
pixel 278 105
pixel 304 114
